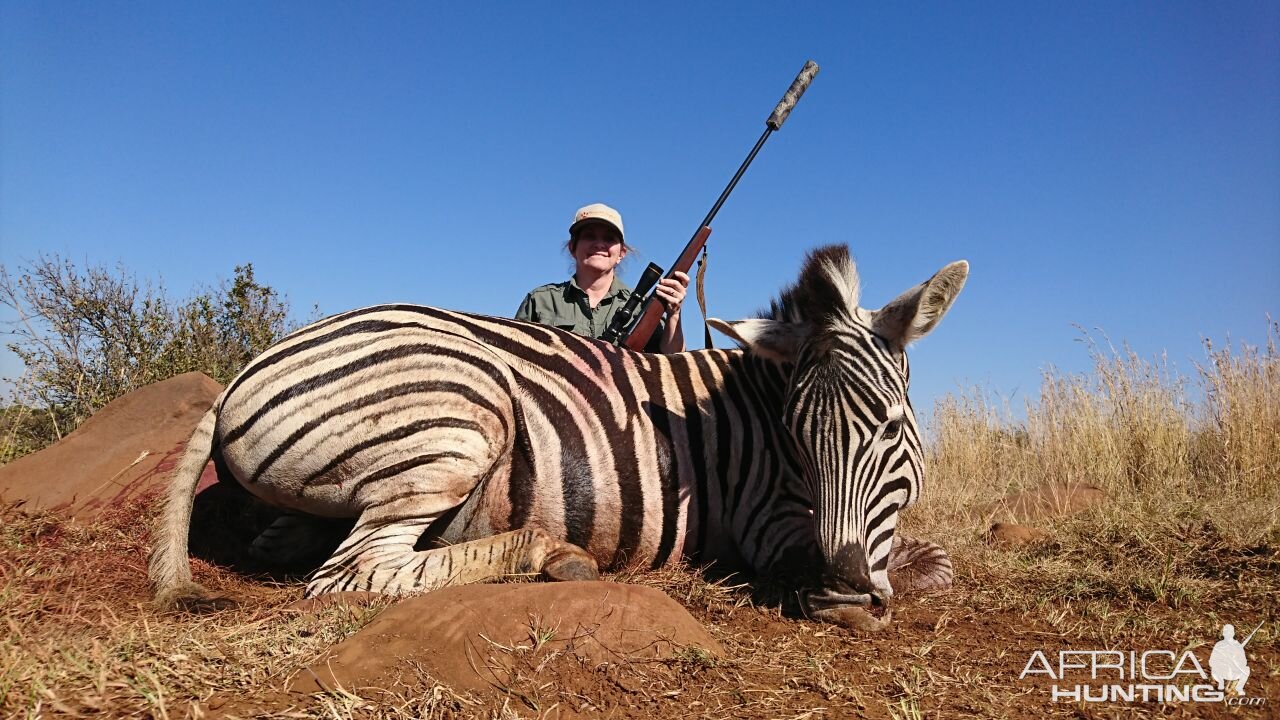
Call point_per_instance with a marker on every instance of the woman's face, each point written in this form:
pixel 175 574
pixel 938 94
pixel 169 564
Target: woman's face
pixel 598 248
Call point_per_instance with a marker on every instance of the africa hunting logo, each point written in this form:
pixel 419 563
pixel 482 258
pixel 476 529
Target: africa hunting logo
pixel 1161 676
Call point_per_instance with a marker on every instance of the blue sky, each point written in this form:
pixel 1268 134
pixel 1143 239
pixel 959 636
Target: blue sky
pixel 1099 164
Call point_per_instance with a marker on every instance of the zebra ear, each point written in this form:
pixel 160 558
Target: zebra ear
pixel 771 339
pixel 917 311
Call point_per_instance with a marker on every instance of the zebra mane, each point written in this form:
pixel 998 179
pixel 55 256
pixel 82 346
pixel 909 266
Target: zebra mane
pixel 825 295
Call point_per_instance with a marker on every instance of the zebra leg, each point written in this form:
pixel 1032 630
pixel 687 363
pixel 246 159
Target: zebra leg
pixel 294 538
pixel 378 556
pixel 918 565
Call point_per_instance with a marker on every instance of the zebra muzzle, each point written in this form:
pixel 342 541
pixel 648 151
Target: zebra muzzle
pixel 829 597
pixel 846 580
pixel 867 618
pixel 865 612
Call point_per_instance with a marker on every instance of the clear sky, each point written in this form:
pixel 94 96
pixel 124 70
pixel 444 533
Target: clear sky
pixel 1111 165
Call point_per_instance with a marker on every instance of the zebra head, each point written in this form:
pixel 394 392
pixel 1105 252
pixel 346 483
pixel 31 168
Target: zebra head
pixel 846 410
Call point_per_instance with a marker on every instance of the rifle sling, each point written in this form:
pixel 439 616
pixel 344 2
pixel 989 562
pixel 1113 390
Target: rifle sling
pixel 702 298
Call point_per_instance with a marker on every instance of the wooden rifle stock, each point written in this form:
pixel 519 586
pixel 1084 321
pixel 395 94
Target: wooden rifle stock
pixel 653 308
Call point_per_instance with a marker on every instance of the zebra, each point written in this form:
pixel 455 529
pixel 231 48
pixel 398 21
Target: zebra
pixel 468 448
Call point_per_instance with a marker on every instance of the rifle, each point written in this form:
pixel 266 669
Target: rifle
pixel 638 336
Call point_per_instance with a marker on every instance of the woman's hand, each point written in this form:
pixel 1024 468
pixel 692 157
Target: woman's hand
pixel 671 291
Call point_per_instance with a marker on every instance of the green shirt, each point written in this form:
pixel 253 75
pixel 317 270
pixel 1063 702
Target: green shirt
pixel 565 305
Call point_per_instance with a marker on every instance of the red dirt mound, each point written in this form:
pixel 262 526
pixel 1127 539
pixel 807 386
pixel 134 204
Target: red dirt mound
pixel 126 449
pixel 469 637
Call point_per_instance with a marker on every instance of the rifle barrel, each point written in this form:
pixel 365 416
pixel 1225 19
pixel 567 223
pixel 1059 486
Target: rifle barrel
pixel 648 321
pixel 706 221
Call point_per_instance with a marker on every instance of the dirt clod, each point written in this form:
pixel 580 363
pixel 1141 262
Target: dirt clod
pixel 1011 535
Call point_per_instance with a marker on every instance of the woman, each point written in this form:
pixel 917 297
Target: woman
pixel 586 303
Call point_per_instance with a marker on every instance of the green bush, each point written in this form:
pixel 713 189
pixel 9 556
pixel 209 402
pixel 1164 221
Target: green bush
pixel 86 337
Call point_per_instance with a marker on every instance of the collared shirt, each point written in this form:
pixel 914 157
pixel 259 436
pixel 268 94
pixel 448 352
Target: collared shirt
pixel 565 305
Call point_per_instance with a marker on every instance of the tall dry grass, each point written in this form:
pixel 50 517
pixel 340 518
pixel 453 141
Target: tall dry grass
pixel 1206 446
pixel 1190 464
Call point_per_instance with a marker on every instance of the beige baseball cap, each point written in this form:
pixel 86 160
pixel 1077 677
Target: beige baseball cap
pixel 597 212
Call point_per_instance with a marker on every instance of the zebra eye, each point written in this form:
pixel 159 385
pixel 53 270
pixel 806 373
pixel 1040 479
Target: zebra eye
pixel 892 430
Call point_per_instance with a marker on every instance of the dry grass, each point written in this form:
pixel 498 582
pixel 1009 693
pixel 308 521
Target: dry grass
pixel 77 635
pixel 1206 447
pixel 1187 540
pixel 1191 467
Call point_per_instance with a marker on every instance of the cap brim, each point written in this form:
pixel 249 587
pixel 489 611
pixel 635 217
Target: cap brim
pixel 587 221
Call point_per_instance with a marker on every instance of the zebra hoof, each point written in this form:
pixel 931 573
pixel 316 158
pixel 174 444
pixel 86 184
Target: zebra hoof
pixel 919 565
pixel 192 598
pixel 205 604
pixel 571 566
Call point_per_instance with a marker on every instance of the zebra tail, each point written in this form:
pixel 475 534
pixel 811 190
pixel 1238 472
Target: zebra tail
pixel 168 566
